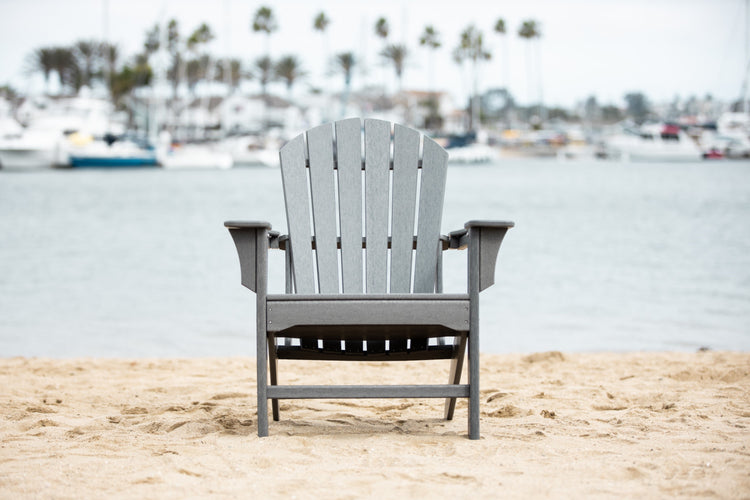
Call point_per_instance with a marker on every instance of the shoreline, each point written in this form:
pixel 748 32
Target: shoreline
pixel 581 424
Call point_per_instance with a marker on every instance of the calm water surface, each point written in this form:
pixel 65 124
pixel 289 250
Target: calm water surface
pixel 605 256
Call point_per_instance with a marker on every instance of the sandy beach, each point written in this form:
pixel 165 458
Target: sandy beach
pixel 650 425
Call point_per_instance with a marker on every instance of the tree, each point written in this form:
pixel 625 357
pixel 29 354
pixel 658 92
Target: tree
pixel 66 67
pixel 110 54
pixel 152 42
pixel 529 31
pixel 174 45
pixel 637 106
pixel 345 62
pixel 43 60
pixel 265 22
pixel 591 110
pixel 430 38
pixel 397 55
pixel 289 69
pixel 263 70
pixel 471 48
pixel 320 24
pixel 236 74
pixel 199 38
pixel 500 30
pixel 87 54
pixel 382 29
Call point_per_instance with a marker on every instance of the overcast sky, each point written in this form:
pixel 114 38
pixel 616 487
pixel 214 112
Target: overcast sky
pixel 602 47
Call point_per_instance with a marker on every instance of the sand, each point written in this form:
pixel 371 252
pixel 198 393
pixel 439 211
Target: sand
pixel 649 425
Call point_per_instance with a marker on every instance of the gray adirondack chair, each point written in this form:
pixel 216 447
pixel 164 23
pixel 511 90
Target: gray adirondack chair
pixel 361 283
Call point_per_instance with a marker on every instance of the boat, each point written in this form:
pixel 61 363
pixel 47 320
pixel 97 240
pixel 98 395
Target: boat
pixel 32 149
pixel 466 149
pixel 194 156
pixel 653 142
pixel 471 154
pixel 252 150
pixel 44 140
pixel 109 151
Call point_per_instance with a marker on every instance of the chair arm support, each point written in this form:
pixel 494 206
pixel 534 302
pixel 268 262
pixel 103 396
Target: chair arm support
pixel 252 239
pixel 483 237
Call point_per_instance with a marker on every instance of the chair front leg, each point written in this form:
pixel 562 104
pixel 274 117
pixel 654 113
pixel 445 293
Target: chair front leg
pixel 457 364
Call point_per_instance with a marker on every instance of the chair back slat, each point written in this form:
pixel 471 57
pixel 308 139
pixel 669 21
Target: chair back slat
pixel 325 206
pixel 405 168
pixel 432 193
pixel 294 180
pixel 377 187
pixel 349 159
pixel 323 192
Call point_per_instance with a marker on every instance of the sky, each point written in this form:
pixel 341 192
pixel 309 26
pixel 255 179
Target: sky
pixel 606 48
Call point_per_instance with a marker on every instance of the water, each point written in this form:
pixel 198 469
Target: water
pixel 605 256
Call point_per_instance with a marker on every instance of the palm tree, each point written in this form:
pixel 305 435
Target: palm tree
pixel 382 30
pixel 289 69
pixel 430 38
pixel 345 62
pixel 236 74
pixel 263 71
pixel 110 53
pixel 87 53
pixel 151 45
pixel 200 37
pixel 397 55
pixel 530 31
pixel 196 71
pixel 174 45
pixel 66 67
pixel 320 24
pixel 43 59
pixel 500 30
pixel 265 22
pixel 471 48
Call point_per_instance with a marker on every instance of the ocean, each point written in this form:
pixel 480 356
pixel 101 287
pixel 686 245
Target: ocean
pixel 605 256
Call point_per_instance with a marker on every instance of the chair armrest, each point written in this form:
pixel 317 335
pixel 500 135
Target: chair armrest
pixel 252 239
pixel 482 237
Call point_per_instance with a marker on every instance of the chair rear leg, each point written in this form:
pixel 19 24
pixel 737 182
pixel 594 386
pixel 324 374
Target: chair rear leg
pixel 457 364
pixel 262 362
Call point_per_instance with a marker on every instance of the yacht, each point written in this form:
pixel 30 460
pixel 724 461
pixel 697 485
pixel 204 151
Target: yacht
pixel 653 142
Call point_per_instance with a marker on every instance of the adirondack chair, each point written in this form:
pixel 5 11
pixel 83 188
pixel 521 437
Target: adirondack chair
pixel 361 284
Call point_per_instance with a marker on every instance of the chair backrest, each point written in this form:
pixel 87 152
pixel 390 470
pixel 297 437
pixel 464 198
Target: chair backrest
pixel 339 202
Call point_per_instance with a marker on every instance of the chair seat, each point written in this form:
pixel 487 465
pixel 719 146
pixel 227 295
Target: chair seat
pixel 367 317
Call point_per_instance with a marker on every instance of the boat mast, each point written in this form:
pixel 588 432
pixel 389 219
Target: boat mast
pixel 745 97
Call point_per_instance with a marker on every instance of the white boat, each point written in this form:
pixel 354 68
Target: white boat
pixel 654 142
pixel 194 156
pixel 250 150
pixel 471 154
pixel 43 143
pixel 32 149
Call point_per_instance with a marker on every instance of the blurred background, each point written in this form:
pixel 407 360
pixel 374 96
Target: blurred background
pixel 615 134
